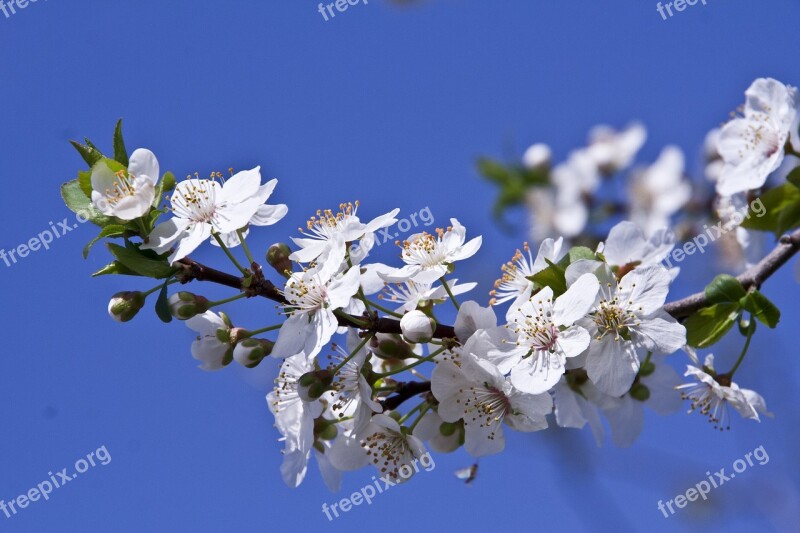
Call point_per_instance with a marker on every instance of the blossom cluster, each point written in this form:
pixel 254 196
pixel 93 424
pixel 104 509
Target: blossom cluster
pixel 569 336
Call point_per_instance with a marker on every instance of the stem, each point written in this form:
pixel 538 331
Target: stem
pixel 450 293
pixel 411 412
pixel 266 329
pixel 647 359
pixel 142 228
pixel 350 320
pixel 412 365
pixel 228 252
pixel 789 149
pixel 420 417
pixel 227 300
pixel 158 287
pixel 240 233
pixel 385 310
pixel 360 294
pixel 353 354
pixel 750 330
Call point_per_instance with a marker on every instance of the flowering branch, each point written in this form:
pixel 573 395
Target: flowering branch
pixel 586 333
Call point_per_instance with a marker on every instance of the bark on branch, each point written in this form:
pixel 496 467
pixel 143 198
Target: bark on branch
pixel 787 247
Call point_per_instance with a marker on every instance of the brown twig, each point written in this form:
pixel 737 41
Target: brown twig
pixel 787 247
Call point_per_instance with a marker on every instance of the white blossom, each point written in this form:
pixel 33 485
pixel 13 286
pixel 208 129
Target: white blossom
pixel 126 194
pixel 752 145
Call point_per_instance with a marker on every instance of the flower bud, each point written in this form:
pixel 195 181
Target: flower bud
pixel 312 385
pixel 537 157
pixel 184 305
pixel 646 369
pixel 388 346
pixel 124 305
pixel 640 392
pixel 278 257
pixel 417 327
pixel 250 352
pixel 325 429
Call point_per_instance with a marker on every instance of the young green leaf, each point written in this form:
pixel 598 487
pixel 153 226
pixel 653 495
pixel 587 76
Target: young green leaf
pixel 724 289
pixel 162 304
pixel 554 277
pixel 762 308
pixel 120 153
pixel 794 177
pixel 710 324
pixel 141 264
pixel 115 268
pixel 164 186
pixel 112 230
pixel 79 203
pixel 89 154
pixel 781 211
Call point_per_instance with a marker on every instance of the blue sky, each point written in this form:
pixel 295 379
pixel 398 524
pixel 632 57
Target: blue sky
pixel 389 105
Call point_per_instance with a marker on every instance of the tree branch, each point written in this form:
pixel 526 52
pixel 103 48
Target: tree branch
pixel 192 270
pixel 405 392
pixel 787 247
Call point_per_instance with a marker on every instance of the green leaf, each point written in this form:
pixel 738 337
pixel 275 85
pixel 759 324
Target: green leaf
pixel 724 289
pixel 577 253
pixel 554 276
pixel 90 154
pixel 162 304
pixel 120 153
pixel 164 186
pixel 762 308
pixel 794 177
pixel 79 203
pixel 493 171
pixel 140 263
pixel 85 181
pixel 112 230
pixel 710 324
pixel 780 213
pixel 115 268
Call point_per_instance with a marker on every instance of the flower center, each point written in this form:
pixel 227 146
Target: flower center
pixel 306 295
pixel 614 318
pixel 285 389
pixel 326 223
pixel 424 250
pixel 514 279
pixel 196 201
pixel 708 401
pixel 389 451
pixel 123 188
pixel 485 406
